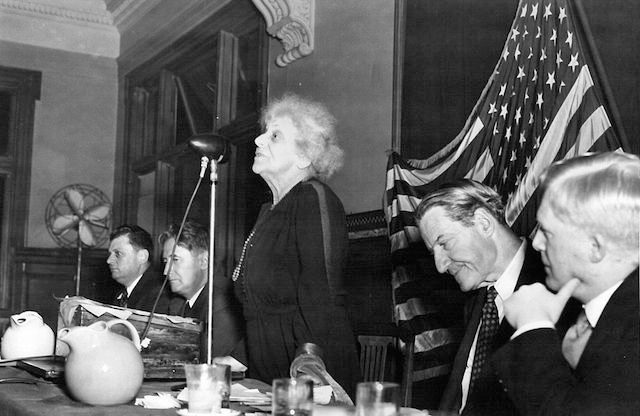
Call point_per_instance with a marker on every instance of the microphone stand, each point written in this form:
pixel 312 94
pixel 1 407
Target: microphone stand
pixel 211 263
pixel 143 338
pixel 213 147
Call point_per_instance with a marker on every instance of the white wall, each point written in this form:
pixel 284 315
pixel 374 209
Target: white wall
pixel 75 125
pixel 351 71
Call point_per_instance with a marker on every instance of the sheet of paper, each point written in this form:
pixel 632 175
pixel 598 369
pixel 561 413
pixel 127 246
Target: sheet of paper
pixel 236 366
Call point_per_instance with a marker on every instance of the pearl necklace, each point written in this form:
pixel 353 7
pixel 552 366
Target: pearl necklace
pixel 238 270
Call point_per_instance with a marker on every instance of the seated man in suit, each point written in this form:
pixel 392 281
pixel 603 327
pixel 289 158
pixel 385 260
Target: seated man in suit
pixel 187 269
pixel 462 224
pixel 130 254
pixel 589 226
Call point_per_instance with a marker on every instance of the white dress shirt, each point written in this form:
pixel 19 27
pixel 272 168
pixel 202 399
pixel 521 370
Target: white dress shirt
pixel 133 284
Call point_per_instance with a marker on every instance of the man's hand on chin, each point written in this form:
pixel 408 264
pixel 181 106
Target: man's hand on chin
pixel 535 303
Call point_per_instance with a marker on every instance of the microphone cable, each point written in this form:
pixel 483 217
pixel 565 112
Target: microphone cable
pixel 204 161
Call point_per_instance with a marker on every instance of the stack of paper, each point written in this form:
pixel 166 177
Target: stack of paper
pixel 251 397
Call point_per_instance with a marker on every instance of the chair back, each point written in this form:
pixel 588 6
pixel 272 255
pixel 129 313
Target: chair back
pixel 407 372
pixel 373 356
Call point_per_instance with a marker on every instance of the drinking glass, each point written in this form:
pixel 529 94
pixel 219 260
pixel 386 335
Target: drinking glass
pixel 292 396
pixel 209 386
pixel 377 399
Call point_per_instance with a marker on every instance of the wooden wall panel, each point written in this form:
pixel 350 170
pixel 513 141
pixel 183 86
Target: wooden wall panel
pixel 368 275
pixel 368 284
pixel 44 274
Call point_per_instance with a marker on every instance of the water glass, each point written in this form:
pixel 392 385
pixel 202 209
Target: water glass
pixel 377 399
pixel 292 396
pixel 208 386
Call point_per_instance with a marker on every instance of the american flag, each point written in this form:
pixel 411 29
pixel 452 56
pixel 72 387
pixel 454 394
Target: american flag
pixel 540 104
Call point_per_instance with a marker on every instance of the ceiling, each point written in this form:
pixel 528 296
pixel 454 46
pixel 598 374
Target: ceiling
pixel 126 30
pixel 84 26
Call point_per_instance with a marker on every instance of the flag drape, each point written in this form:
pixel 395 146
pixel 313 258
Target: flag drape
pixel 543 102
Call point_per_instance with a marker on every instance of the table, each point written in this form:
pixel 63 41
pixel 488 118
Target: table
pixel 51 399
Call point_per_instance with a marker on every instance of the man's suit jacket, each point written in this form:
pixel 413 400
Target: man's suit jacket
pixel 491 398
pixel 228 325
pixel 145 292
pixel 606 381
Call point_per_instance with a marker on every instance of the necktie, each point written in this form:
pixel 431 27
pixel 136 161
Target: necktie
pixel 186 309
pixel 122 298
pixel 488 328
pixel 576 339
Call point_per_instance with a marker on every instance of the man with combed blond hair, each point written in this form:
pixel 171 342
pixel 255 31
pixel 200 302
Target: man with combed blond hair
pixel 588 236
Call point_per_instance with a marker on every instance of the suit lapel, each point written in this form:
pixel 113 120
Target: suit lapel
pixel 139 291
pixel 452 396
pixel 611 325
pixel 199 309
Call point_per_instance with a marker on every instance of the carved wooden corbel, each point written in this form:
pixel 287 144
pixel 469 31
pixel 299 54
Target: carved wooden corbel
pixel 292 22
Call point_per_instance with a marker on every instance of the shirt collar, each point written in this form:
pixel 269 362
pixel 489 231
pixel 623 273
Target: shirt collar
pixel 133 285
pixel 506 283
pixel 593 309
pixel 192 299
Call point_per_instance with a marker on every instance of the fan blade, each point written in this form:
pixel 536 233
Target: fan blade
pixel 86 236
pixel 75 201
pixel 97 213
pixel 64 223
pixel 99 224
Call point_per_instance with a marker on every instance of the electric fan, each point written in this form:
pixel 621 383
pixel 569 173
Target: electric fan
pixel 79 215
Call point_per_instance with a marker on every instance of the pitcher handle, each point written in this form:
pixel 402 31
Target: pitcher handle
pixel 135 338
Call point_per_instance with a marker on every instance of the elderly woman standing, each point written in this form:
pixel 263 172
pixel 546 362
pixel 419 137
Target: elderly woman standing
pixel 289 276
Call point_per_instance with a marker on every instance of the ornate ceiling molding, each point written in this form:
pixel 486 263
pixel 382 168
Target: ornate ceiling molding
pixel 80 11
pixel 55 24
pixel 126 13
pixel 292 22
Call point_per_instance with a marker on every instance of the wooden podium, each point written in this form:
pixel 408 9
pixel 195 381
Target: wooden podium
pixel 173 340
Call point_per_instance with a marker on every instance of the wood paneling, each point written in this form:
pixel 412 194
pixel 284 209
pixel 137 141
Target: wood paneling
pixel 15 167
pixel 211 79
pixel 47 274
pixel 368 284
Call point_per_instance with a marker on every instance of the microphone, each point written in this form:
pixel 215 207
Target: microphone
pixel 211 145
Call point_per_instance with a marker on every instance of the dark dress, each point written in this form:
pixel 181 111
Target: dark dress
pixel 290 285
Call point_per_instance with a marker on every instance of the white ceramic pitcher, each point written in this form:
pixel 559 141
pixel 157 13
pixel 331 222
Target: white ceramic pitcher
pixel 28 336
pixel 103 367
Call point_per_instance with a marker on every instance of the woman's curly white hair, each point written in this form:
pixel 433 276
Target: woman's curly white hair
pixel 317 139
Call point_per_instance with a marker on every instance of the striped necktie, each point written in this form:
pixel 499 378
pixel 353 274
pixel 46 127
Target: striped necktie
pixel 576 339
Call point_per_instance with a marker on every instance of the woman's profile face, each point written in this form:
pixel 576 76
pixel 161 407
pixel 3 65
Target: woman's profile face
pixel 277 152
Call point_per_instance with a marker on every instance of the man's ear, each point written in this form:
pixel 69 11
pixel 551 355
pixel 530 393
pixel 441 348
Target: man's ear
pixel 203 260
pixel 597 248
pixel 142 255
pixel 484 221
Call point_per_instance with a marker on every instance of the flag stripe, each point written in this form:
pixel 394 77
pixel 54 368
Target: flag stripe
pixel 400 239
pixel 549 148
pixel 482 167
